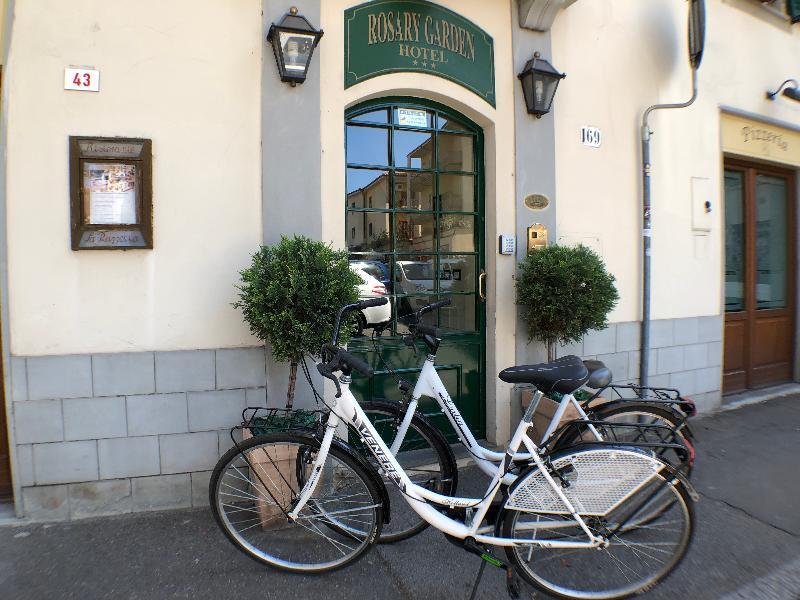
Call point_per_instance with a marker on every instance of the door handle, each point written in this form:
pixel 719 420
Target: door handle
pixel 482 285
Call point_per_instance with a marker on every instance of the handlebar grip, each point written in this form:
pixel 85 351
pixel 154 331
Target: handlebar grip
pixel 372 302
pixel 356 363
pixel 429 330
pixel 434 306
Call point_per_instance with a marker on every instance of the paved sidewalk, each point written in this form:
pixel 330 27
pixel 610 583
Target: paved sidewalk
pixel 747 543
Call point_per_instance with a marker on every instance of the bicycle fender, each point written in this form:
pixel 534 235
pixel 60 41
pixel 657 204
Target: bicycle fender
pixel 690 489
pixel 614 403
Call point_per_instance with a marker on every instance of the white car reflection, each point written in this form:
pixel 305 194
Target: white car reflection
pixel 370 287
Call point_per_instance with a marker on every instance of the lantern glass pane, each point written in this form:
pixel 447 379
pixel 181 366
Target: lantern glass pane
pixel 296 49
pixel 544 88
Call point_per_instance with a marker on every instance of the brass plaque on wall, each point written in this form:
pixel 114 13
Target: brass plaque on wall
pixel 537 201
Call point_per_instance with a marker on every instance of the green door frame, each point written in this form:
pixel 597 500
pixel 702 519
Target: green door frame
pixel 379 113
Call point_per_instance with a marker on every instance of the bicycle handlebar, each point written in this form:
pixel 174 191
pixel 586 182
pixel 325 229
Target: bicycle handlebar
pixel 340 360
pixel 433 306
pixel 430 330
pixel 361 305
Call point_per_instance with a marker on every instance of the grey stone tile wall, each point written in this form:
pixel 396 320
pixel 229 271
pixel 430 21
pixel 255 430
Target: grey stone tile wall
pixel 685 354
pixel 108 434
pixel 114 433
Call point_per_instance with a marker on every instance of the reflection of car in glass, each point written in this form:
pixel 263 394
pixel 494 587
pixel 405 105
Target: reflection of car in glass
pixel 413 277
pixel 379 270
pixel 370 287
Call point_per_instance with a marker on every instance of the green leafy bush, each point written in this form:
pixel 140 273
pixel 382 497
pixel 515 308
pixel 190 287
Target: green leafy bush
pixel 289 297
pixel 564 292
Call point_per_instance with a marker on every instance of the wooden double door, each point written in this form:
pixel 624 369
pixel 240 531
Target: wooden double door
pixel 759 276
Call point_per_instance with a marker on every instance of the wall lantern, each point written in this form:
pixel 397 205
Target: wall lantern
pixel 293 41
pixel 539 82
pixel 790 88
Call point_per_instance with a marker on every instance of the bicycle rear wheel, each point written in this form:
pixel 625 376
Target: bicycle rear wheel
pixel 251 491
pixel 425 456
pixel 642 549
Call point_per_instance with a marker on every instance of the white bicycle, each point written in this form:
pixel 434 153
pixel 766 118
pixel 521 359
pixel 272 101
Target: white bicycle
pixel 428 459
pixel 576 523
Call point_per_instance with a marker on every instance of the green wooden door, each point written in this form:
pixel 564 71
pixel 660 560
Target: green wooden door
pixel 415 228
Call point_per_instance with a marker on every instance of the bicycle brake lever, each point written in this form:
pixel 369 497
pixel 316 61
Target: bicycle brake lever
pixel 327 373
pixel 408 340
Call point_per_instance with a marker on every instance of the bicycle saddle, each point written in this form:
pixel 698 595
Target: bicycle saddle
pixel 599 374
pixel 563 375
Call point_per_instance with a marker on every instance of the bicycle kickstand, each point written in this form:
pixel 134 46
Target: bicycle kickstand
pixel 513 582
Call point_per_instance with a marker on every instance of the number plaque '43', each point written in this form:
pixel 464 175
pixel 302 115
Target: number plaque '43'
pixel 83 80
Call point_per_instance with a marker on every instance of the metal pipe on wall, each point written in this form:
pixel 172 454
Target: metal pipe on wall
pixel 644 364
pixel 696 39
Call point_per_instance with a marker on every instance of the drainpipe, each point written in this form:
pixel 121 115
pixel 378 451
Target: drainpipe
pixel 647 221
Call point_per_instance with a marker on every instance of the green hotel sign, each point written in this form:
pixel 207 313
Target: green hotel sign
pixel 389 36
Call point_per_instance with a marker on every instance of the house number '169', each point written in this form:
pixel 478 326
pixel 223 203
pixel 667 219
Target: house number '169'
pixel 591 136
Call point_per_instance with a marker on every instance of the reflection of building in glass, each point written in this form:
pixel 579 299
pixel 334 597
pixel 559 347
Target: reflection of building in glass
pixel 369 231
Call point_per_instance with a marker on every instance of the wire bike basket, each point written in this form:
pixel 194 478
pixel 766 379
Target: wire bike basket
pixel 259 420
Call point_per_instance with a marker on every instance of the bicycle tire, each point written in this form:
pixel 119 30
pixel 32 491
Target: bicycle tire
pixel 254 499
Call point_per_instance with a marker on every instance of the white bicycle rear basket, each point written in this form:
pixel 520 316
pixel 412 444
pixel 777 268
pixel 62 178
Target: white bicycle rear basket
pixel 602 479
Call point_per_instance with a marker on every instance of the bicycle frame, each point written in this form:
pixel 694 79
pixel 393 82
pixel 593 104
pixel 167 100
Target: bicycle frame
pixel 430 384
pixel 421 499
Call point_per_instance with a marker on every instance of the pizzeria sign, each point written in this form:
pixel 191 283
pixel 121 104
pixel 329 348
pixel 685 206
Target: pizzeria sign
pixel 391 36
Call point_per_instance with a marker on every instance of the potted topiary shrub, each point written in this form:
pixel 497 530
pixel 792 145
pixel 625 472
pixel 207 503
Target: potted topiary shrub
pixel 289 296
pixel 564 292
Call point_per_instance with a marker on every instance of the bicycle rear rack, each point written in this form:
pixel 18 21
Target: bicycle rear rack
pixel 660 439
pixel 649 395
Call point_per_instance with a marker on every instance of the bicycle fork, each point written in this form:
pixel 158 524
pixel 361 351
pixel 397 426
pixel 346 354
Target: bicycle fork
pixel 316 471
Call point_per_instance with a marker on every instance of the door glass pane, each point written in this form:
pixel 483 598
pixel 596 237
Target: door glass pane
pixel 367 188
pixel 455 152
pixel 460 315
pixel 450 124
pixel 367 145
pixel 415 232
pixel 368 232
pixel 771 242
pixel 413 191
pixel 414 275
pixel 408 305
pixel 375 116
pixel 458 233
pixel 457 274
pixel 413 149
pixel 734 241
pixel 457 192
pixel 378 266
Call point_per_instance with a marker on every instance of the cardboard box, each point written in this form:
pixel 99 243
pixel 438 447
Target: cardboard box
pixel 546 410
pixel 278 470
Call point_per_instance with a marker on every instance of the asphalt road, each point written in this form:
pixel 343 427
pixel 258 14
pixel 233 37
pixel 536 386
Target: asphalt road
pixel 747 543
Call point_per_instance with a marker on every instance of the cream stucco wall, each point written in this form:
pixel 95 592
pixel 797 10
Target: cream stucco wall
pixel 620 57
pixel 498 124
pixel 185 73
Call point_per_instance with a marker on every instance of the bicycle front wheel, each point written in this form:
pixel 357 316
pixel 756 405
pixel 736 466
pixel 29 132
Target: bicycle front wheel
pixel 642 548
pixel 252 490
